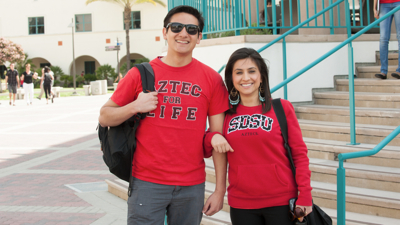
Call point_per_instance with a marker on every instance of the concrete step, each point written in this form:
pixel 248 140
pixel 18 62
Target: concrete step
pixel 370 85
pixel 389 156
pixel 393 58
pixel 370 71
pixel 359 200
pixel 378 116
pixel 365 133
pixel 362 99
pixel 357 175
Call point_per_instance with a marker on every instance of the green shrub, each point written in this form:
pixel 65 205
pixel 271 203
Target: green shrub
pixel 89 77
pixel 123 68
pixel 56 83
pixel 242 32
pixel 105 72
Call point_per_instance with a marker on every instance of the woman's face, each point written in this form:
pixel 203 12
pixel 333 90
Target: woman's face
pixel 28 67
pixel 246 78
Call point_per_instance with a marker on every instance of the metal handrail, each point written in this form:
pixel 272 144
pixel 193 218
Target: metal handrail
pixel 341 172
pixel 293 29
pixel 356 35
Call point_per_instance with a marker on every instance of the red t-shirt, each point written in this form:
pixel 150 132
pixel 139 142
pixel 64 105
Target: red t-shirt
pixel 388 1
pixel 259 170
pixel 170 140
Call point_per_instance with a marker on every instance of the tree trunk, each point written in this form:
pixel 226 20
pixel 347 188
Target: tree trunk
pixel 127 20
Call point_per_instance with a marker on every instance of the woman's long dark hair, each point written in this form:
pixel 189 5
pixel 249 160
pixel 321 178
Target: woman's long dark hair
pixel 253 55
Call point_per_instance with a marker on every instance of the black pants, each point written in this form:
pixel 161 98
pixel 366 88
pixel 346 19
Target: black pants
pixel 277 215
pixel 47 89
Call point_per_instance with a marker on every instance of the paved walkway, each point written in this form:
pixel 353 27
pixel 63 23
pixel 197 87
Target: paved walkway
pixel 51 166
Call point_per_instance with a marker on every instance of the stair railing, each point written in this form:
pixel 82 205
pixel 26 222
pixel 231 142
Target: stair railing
pixel 341 195
pixel 341 173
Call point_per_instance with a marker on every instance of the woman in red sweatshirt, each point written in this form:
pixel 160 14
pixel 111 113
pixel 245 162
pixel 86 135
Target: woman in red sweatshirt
pixel 261 181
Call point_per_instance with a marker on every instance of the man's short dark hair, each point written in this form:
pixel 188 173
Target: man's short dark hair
pixel 185 9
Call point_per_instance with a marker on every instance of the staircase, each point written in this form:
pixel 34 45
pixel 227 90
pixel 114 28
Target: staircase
pixel 373 183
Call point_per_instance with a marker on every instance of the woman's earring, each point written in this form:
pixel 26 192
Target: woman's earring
pixel 234 94
pixel 261 90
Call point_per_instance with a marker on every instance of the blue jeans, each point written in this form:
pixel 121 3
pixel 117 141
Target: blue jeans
pixel 385 33
pixel 149 202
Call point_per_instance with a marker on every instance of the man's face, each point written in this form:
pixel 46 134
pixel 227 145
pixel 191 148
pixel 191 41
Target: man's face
pixel 12 66
pixel 182 42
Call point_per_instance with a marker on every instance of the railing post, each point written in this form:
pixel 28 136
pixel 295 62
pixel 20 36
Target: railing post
pixel 274 30
pixel 341 193
pixel 284 68
pixel 351 78
pixel 237 17
pixel 204 8
pixel 331 18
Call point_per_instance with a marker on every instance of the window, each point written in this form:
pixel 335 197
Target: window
pixel 36 25
pixel 42 65
pixel 3 70
pixel 135 20
pixel 90 67
pixel 83 23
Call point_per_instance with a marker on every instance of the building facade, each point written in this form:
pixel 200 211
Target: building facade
pixel 44 30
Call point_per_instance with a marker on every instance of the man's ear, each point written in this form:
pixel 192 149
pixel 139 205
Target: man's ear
pixel 200 37
pixel 164 31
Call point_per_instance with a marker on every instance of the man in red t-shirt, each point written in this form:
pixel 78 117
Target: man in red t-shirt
pixel 168 165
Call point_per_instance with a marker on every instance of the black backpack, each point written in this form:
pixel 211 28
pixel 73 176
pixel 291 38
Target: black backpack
pixel 47 79
pixel 119 143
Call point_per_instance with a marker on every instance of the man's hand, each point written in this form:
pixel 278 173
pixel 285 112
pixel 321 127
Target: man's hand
pixel 146 102
pixel 220 144
pixel 214 203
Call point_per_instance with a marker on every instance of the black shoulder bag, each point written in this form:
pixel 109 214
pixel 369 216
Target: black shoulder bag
pixel 317 216
pixel 119 143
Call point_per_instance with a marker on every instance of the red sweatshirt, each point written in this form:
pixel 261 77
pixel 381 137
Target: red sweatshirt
pixel 259 171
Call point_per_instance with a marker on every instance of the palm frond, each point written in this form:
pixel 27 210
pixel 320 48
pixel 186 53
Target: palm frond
pixel 120 2
pixel 154 2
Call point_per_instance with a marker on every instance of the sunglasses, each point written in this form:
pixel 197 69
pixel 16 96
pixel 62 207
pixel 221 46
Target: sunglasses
pixel 297 213
pixel 178 27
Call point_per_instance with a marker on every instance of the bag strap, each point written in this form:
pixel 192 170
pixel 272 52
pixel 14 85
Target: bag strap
pixel 147 76
pixel 280 114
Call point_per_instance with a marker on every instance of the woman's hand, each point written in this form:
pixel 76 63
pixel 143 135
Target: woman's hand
pixel 306 209
pixel 214 203
pixel 220 144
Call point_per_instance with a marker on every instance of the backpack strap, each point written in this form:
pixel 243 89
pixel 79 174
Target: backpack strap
pixel 280 114
pixel 147 76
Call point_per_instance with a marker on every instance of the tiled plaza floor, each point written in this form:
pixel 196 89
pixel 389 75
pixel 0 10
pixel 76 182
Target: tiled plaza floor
pixel 51 166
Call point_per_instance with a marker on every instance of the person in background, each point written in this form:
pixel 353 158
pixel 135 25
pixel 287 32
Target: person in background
pixel 27 77
pixel 385 7
pixel 46 80
pixel 261 181
pixel 12 79
pixel 119 78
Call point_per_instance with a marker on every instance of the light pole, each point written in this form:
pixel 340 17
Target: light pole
pixel 117 59
pixel 72 25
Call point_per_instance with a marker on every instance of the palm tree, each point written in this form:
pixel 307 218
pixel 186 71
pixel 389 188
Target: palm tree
pixel 128 4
